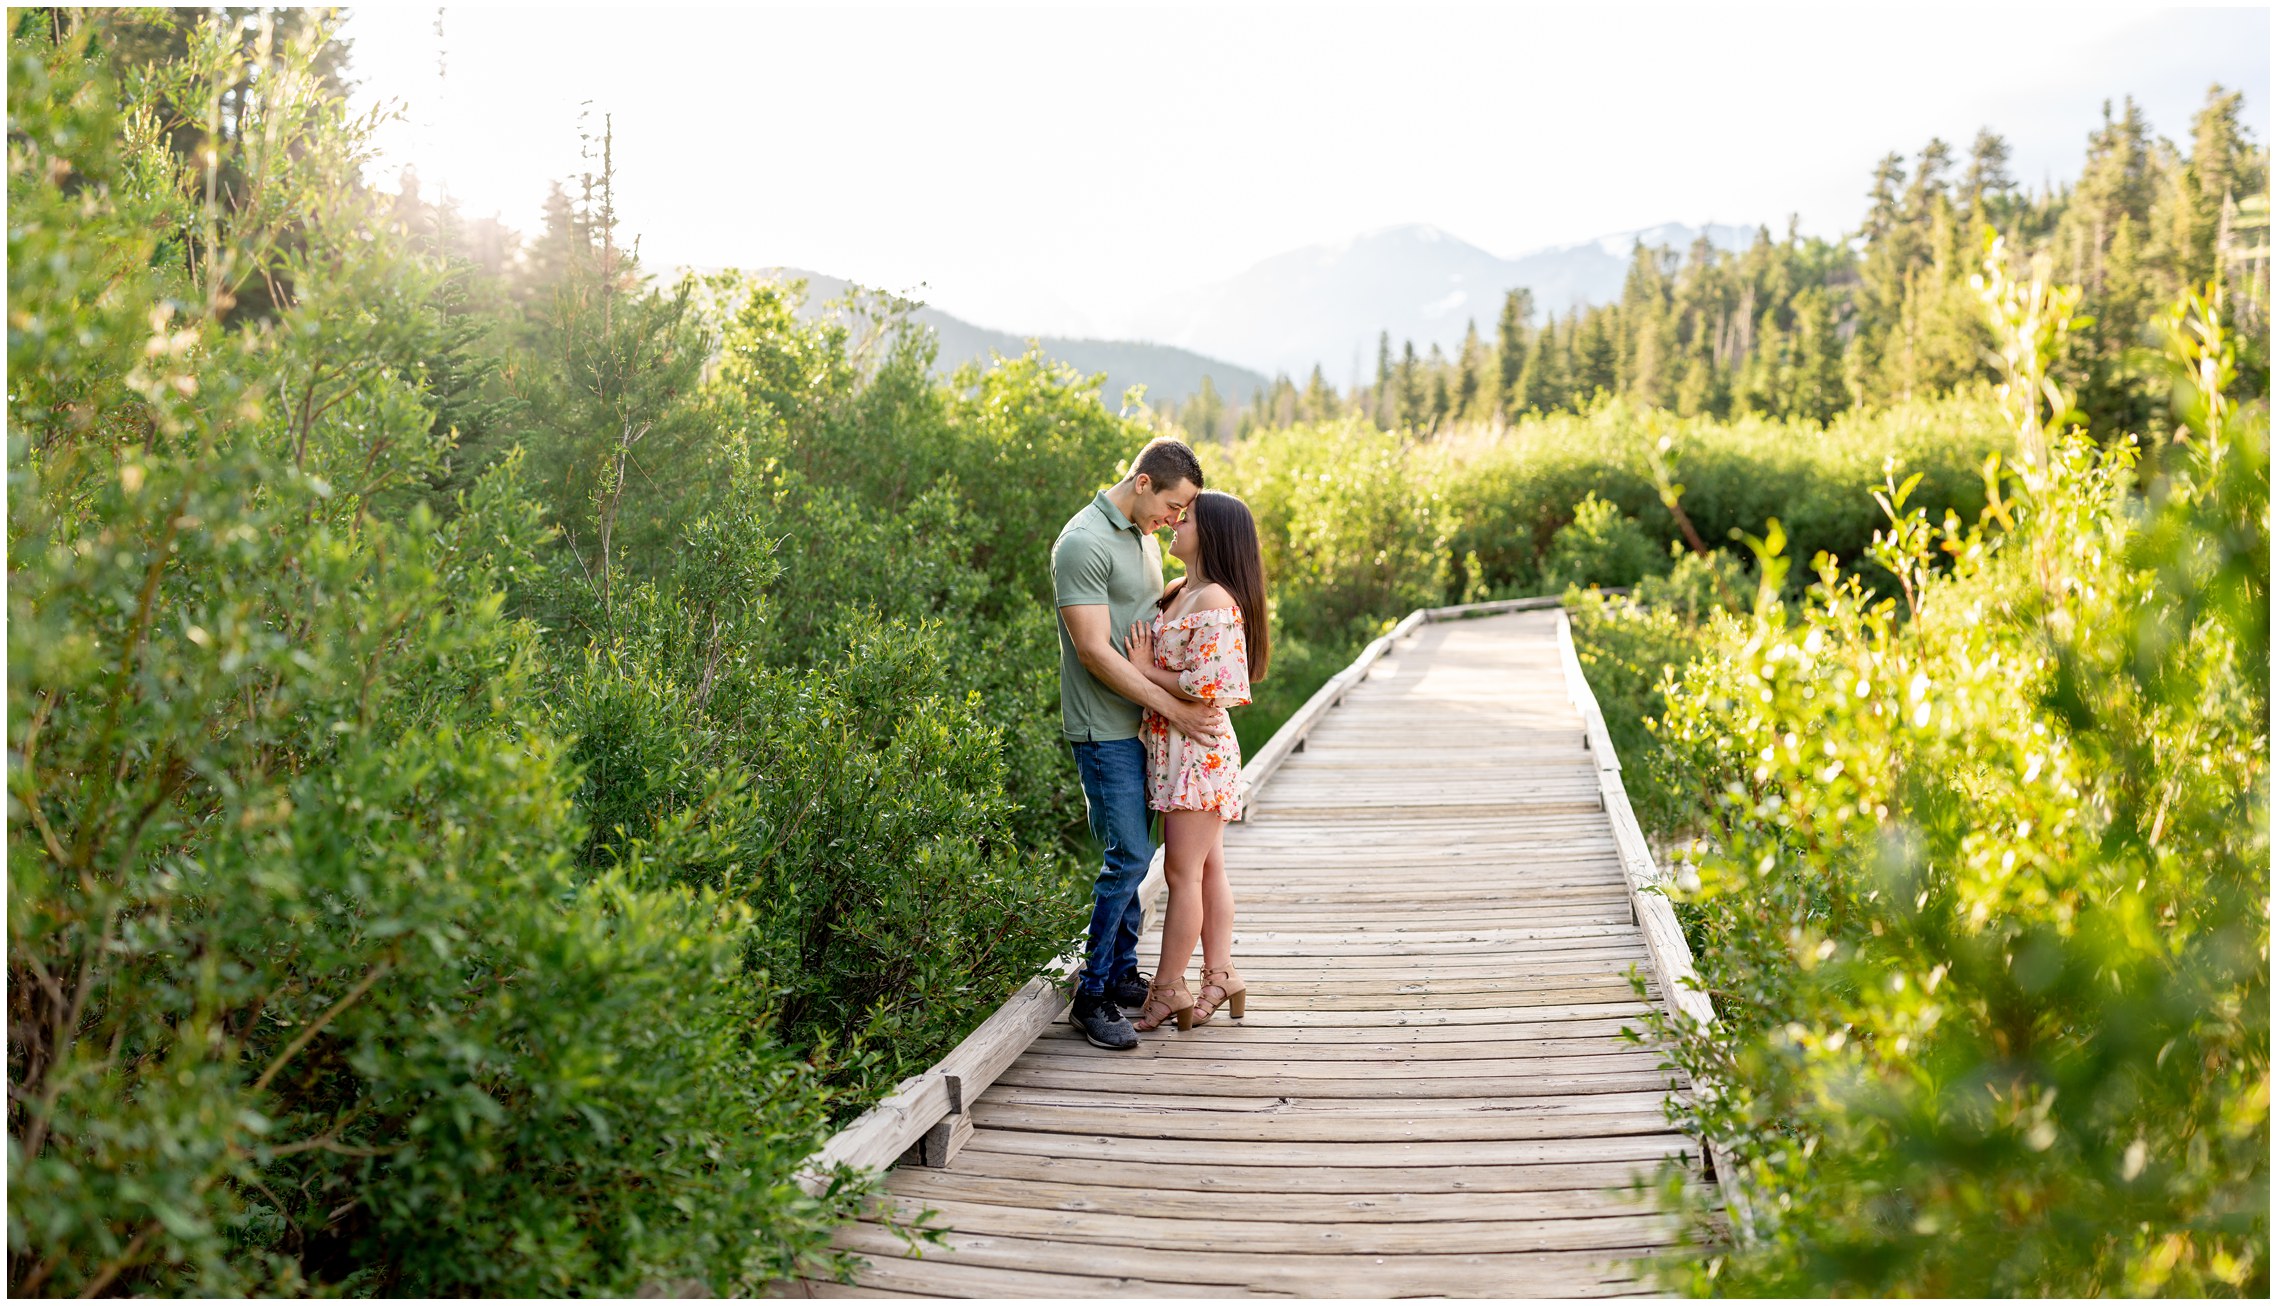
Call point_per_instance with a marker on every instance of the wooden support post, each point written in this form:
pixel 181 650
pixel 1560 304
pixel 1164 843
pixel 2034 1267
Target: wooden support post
pixel 944 1140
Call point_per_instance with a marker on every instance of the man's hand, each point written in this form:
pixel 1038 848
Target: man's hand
pixel 1196 721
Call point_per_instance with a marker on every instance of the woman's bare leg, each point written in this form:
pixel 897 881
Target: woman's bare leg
pixel 1217 906
pixel 1187 838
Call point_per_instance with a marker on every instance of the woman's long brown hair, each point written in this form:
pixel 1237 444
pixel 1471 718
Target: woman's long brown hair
pixel 1229 557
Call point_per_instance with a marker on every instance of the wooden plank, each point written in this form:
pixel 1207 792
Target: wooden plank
pixel 1510 1274
pixel 826 1289
pixel 1391 1083
pixel 1155 1097
pixel 1157 1173
pixel 1519 976
pixel 943 1274
pixel 1365 1155
pixel 1455 1060
pixel 1573 990
pixel 1254 1029
pixel 1461 889
pixel 1414 1017
pixel 1453 973
pixel 1494 608
pixel 1277 811
pixel 1266 972
pixel 1233 1042
pixel 1391 1206
pixel 1512 1124
pixel 1500 936
pixel 1232 1233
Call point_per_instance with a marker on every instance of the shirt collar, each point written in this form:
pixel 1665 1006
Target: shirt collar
pixel 1114 514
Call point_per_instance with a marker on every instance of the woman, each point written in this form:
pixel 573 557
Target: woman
pixel 1207 643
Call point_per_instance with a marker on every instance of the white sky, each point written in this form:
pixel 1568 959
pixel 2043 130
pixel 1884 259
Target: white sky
pixel 1048 168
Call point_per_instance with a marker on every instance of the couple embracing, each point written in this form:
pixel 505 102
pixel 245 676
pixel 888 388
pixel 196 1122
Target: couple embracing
pixel 1146 674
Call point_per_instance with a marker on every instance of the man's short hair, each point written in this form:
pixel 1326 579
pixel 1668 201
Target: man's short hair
pixel 1166 461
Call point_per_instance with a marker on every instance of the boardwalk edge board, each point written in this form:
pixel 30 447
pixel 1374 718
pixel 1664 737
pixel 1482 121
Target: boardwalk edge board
pixel 1664 936
pixel 904 1126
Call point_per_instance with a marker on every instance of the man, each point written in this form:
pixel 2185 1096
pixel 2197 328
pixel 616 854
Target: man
pixel 1106 574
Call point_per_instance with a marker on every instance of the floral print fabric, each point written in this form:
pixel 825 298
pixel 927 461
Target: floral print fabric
pixel 1210 653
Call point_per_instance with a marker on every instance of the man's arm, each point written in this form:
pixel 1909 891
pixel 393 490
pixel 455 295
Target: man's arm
pixel 1087 627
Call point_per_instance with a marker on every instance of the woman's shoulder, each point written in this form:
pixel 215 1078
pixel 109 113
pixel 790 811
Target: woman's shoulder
pixel 1211 604
pixel 1212 595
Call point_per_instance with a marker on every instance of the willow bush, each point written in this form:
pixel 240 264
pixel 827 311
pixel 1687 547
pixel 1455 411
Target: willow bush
pixel 1361 526
pixel 1983 904
pixel 438 869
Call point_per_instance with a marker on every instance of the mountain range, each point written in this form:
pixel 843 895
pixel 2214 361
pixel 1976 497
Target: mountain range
pixel 1322 305
pixel 1327 304
pixel 1170 374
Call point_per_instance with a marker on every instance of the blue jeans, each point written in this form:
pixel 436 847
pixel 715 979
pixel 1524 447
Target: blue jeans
pixel 1114 790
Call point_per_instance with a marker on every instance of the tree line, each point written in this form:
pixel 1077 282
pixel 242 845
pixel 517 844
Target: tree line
pixel 1796 326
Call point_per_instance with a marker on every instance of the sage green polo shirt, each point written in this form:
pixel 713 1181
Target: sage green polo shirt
pixel 1101 556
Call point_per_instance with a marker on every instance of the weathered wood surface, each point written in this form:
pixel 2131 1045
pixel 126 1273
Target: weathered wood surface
pixel 1432 1094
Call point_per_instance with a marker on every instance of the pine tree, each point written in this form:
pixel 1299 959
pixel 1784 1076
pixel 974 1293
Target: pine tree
pixel 1319 403
pixel 1470 375
pixel 1596 356
pixel 1413 398
pixel 2117 182
pixel 2224 165
pixel 1928 180
pixel 1819 391
pixel 1204 415
pixel 1383 404
pixel 1543 385
pixel 1986 184
pixel 1512 348
pixel 1441 401
pixel 1883 213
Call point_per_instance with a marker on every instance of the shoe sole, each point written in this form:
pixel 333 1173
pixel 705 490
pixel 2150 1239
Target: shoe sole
pixel 1093 1040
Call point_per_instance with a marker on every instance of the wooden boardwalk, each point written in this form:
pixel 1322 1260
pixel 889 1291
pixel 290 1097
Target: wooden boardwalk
pixel 1431 1094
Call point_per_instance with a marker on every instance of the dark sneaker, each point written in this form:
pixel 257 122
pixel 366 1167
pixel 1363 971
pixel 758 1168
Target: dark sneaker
pixel 1130 990
pixel 1102 1023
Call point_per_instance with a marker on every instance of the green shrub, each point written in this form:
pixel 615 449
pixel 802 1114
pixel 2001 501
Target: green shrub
pixel 1984 913
pixel 1361 526
pixel 305 991
pixel 860 809
pixel 1628 648
pixel 828 696
pixel 1600 547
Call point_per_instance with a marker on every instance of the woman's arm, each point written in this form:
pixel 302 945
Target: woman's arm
pixel 1169 681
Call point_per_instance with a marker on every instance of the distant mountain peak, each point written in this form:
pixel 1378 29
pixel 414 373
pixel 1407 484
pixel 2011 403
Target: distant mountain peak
pixel 1169 374
pixel 1327 304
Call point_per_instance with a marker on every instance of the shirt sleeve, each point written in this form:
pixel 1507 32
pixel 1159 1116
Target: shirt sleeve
pixel 1217 670
pixel 1080 570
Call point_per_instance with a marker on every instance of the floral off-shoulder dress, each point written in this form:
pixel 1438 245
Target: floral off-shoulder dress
pixel 1210 652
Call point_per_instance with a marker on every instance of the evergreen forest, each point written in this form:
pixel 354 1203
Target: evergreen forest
pixel 508 752
pixel 1796 326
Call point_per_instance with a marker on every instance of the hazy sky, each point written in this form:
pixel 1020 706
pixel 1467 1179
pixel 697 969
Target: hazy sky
pixel 1047 168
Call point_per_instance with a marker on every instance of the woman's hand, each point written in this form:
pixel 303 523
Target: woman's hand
pixel 1138 645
